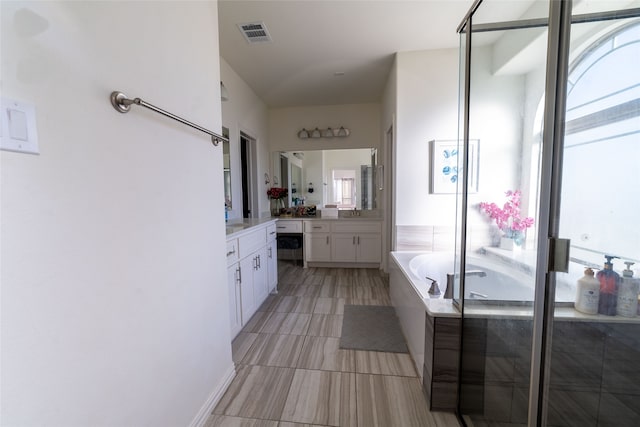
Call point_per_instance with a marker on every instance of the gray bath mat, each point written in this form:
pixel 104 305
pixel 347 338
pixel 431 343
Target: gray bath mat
pixel 372 327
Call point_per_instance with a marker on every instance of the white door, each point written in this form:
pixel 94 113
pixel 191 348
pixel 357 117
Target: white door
pixel 260 285
pixel 317 247
pixel 369 248
pixel 343 247
pixel 247 299
pixel 272 266
pixel 233 283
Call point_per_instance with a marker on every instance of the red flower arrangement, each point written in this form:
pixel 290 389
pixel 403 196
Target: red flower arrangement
pixel 277 193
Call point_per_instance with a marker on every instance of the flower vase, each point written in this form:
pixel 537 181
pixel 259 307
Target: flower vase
pixel 275 209
pixel 507 243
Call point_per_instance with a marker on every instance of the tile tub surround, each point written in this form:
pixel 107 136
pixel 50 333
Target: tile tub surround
pixel 595 378
pixel 411 300
pixel 291 372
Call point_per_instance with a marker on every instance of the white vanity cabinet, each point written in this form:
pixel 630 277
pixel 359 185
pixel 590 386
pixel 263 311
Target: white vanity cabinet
pixel 251 272
pixel 272 259
pixel 337 242
pixel 356 241
pixel 235 312
pixel 317 241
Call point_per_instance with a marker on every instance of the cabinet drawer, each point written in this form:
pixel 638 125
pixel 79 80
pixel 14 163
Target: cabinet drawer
pixel 232 251
pixel 356 227
pixel 317 227
pixel 252 242
pixel 289 226
pixel 271 232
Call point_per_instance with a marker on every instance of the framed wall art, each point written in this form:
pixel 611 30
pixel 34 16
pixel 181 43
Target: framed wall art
pixel 446 162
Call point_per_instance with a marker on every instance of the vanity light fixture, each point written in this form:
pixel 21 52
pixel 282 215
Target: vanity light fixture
pixel 342 132
pixel 325 133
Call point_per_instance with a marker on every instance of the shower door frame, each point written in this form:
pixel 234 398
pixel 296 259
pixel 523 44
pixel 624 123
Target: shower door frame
pixel 553 251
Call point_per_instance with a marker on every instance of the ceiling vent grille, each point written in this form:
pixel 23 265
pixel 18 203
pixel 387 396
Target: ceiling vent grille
pixel 255 32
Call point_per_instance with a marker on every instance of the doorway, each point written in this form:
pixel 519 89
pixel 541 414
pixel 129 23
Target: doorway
pixel 248 161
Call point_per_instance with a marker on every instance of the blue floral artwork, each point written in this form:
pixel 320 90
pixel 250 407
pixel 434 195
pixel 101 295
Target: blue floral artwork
pixel 451 172
pixel 445 170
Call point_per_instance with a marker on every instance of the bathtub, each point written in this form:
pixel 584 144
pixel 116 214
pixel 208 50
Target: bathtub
pixel 504 284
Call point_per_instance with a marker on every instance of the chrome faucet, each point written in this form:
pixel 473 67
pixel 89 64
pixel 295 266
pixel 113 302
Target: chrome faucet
pixel 448 293
pixel 434 290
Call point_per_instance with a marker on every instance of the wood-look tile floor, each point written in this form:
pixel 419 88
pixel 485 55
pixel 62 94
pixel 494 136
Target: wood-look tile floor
pixel 292 373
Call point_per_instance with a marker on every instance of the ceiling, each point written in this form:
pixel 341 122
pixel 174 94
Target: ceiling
pixel 314 39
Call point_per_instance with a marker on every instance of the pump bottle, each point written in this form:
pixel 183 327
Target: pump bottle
pixel 609 283
pixel 627 303
pixel 587 293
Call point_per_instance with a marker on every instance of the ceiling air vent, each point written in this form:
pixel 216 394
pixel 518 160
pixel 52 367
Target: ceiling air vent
pixel 255 32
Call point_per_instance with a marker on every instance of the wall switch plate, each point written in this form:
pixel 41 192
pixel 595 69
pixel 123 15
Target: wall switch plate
pixel 18 130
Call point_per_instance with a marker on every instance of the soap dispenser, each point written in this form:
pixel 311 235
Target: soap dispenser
pixel 587 293
pixel 627 302
pixel 609 283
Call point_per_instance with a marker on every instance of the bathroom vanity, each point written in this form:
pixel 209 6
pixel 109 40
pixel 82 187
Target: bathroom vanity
pixel 252 268
pixel 340 242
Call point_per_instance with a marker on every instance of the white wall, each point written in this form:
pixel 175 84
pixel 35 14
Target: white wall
pixel 113 290
pixel 387 154
pixel 245 112
pixel 427 108
pixel 362 119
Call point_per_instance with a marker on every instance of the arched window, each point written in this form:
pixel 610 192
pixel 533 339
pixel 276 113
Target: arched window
pixel 601 163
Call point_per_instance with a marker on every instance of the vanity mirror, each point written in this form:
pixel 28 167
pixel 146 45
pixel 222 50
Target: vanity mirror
pixel 346 178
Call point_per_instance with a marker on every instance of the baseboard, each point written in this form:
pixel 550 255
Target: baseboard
pixel 205 412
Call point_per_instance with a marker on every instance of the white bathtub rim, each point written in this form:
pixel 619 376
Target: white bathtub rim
pixel 435 306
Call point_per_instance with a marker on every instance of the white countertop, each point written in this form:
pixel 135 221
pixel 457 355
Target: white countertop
pixel 237 227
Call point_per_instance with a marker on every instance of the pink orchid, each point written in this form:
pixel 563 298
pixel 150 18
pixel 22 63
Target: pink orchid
pixel 508 217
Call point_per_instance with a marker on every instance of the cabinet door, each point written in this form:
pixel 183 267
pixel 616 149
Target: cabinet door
pixel 233 284
pixel 369 248
pixel 247 301
pixel 343 247
pixel 317 247
pixel 260 285
pixel 272 266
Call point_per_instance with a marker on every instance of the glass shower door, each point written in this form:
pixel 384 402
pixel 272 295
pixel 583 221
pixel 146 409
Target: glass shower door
pixel 534 351
pixel 506 82
pixel 593 377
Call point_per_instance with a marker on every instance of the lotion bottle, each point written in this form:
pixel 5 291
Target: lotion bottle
pixel 609 283
pixel 587 293
pixel 627 303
